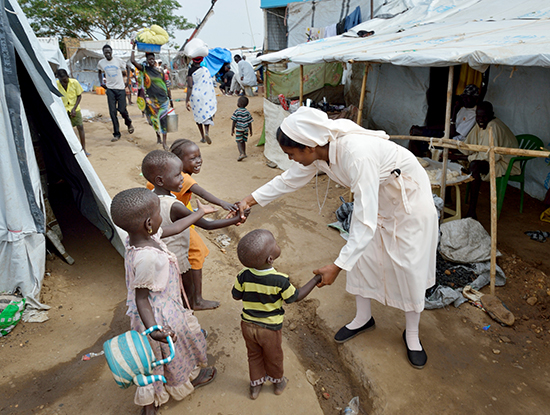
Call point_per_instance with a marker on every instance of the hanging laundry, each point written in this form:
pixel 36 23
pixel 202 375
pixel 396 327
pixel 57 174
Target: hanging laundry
pixel 330 30
pixel 341 27
pixel 314 33
pixel 352 19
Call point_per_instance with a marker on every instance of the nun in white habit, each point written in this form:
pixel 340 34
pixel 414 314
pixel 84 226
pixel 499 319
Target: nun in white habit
pixel 391 251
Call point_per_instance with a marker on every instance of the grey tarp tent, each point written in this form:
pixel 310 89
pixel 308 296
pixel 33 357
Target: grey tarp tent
pixel 32 114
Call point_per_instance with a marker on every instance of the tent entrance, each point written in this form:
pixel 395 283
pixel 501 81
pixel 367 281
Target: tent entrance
pixel 54 157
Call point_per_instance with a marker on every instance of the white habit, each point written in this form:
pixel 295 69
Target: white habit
pixel 391 252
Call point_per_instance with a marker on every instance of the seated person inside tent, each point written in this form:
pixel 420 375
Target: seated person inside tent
pixel 487 124
pixel 463 119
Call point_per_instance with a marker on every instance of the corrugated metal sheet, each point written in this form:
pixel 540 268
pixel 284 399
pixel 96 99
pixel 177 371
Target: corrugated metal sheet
pixel 269 4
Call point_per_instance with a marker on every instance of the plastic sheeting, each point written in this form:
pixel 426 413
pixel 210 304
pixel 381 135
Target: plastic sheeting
pixel 515 94
pixel 274 116
pixel 22 217
pixel 439 33
pixel 216 58
pixel 395 98
pixel 317 76
pixel 465 241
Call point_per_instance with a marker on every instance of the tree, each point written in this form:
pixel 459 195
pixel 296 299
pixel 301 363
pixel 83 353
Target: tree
pixel 109 19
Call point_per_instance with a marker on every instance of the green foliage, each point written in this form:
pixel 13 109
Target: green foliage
pixel 110 19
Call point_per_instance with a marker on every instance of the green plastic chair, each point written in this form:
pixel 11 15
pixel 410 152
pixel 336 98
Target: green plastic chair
pixel 526 142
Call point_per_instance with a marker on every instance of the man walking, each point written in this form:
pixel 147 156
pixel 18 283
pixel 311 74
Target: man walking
pixel 113 66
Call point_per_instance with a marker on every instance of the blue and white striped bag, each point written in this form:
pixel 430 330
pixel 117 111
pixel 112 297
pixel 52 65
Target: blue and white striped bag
pixel 131 358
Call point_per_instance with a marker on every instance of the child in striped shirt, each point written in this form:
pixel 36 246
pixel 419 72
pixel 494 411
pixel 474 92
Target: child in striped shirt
pixel 262 290
pixel 242 123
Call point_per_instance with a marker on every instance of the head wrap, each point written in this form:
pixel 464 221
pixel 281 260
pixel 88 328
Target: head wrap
pixel 312 127
pixel 471 90
pixel 198 59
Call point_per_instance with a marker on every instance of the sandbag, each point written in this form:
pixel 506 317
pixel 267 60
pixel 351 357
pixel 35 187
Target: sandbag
pixel 465 241
pixel 11 307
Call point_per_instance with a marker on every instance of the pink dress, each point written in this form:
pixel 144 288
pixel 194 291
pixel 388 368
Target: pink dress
pixel 157 270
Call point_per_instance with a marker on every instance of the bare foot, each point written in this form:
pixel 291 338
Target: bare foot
pixel 255 391
pixel 149 410
pixel 206 376
pixel 280 387
pixel 203 304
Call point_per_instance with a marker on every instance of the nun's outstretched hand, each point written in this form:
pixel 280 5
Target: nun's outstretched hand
pixel 328 274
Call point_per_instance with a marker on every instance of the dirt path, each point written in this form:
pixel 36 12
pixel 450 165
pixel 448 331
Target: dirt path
pixel 471 370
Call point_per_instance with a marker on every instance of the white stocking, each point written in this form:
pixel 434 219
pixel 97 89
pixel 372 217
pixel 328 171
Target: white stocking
pixel 412 320
pixel 363 313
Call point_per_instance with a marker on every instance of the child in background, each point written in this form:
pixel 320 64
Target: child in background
pixel 262 290
pixel 190 155
pixel 155 297
pixel 163 170
pixel 242 123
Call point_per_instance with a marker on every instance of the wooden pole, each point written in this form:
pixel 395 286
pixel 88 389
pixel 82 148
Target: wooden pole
pixel 371 9
pixel 266 84
pixel 447 135
pixel 493 180
pixel 441 142
pixel 301 85
pixel 362 97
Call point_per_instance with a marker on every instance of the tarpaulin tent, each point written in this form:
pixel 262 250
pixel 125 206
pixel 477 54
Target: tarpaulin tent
pixel 511 36
pixel 32 114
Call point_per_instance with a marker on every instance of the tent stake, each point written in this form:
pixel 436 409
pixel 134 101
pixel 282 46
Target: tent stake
pixel 493 210
pixel 301 85
pixel 362 97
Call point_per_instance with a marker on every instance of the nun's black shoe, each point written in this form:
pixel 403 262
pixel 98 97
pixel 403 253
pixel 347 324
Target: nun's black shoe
pixel 417 358
pixel 345 334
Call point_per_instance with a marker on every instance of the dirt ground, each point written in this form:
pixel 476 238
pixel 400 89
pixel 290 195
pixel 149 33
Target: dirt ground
pixel 470 369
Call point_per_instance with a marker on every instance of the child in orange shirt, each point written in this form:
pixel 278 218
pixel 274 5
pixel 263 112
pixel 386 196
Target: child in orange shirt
pixel 190 155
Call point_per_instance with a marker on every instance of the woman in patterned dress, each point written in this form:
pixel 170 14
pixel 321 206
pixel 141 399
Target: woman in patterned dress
pixel 201 97
pixel 154 97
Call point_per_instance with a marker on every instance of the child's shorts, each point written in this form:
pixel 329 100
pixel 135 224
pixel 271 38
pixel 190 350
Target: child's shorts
pixel 198 250
pixel 76 121
pixel 241 136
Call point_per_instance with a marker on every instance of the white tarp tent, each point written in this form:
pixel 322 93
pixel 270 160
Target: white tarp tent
pixel 511 36
pixel 32 111
pixel 52 53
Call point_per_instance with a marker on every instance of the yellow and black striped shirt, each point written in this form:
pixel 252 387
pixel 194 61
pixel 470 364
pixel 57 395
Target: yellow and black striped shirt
pixel 262 293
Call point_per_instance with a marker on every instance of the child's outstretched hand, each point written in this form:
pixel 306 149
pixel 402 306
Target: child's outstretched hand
pixel 205 208
pixel 161 335
pixel 229 207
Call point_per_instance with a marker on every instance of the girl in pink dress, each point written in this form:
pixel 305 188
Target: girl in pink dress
pixel 155 297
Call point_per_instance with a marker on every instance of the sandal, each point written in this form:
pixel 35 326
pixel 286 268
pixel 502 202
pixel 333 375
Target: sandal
pixel 207 139
pixel 206 376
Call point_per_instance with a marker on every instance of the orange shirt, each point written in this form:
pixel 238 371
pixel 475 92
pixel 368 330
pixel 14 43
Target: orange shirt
pixel 198 251
pixel 184 195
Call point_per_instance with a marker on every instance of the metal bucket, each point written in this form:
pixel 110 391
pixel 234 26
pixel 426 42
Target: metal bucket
pixel 172 122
